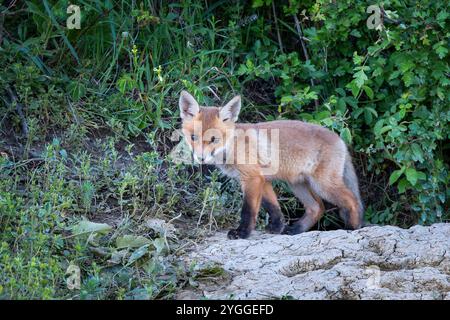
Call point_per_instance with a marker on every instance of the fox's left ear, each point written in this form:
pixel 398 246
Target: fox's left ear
pixel 230 111
pixel 189 107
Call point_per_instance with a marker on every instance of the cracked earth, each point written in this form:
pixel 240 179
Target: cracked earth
pixel 382 262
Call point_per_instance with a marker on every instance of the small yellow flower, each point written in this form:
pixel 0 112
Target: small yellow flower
pixel 134 50
pixel 158 73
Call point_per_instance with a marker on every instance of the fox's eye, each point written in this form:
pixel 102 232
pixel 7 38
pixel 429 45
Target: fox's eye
pixel 214 140
pixel 194 137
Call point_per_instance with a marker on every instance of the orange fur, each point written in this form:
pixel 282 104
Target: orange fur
pixel 312 159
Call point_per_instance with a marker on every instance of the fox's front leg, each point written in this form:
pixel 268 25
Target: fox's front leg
pixel 270 203
pixel 253 190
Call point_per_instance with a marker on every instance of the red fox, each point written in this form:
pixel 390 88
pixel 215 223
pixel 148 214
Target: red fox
pixel 313 160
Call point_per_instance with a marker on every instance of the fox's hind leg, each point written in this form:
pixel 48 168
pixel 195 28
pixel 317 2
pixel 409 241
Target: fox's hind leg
pixel 339 194
pixel 345 215
pixel 270 203
pixel 350 209
pixel 314 209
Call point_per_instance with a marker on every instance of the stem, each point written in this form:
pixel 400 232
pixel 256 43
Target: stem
pixel 280 43
pixel 305 51
pixel 19 110
pixel 2 19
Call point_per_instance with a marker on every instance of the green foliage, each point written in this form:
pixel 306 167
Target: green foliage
pixel 386 90
pixel 42 231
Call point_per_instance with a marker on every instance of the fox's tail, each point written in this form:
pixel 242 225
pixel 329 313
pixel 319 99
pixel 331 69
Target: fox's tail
pixel 351 181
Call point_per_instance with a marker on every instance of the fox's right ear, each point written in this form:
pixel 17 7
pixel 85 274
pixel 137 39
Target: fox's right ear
pixel 231 110
pixel 188 106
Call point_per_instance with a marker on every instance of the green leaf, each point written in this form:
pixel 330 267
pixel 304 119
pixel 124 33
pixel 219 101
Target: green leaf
pixel 417 152
pixel 394 75
pixel 322 115
pixel 340 91
pixel 346 135
pixel 442 15
pixel 440 93
pixel 408 78
pixel 378 126
pixel 286 99
pixel 441 51
pixel 412 175
pixel 402 185
pixel 126 83
pixel 373 111
pixel 355 33
pixel 87 227
pixel 352 101
pixel 139 253
pixel 368 91
pixel 76 90
pixel 118 256
pixel 385 129
pixel 259 3
pixel 159 244
pixel 395 175
pixel 358 60
pixel 131 241
pixel 367 116
pixel 341 106
pixel 358 112
pixel 421 175
pixel 360 78
pixel 353 87
pixel 406 65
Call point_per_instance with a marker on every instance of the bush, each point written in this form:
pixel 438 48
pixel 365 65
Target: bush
pixel 385 91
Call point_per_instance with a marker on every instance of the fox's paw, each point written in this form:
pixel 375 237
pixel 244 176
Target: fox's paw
pixel 294 229
pixel 275 227
pixel 234 234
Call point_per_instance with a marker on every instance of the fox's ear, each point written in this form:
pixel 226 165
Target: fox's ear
pixel 188 106
pixel 230 111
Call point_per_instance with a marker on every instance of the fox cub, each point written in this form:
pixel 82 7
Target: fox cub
pixel 313 160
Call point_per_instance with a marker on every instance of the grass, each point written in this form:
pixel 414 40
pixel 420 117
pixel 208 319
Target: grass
pixel 144 200
pixel 97 153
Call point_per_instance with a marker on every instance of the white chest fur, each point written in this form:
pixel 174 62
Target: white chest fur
pixel 228 170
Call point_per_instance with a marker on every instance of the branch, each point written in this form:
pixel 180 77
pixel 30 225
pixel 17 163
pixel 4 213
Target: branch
pixel 276 26
pixel 2 19
pixel 19 109
pixel 305 51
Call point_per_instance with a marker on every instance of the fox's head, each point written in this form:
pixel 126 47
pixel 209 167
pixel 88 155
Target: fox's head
pixel 208 130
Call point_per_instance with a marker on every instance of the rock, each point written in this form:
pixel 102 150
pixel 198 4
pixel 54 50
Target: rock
pixel 381 262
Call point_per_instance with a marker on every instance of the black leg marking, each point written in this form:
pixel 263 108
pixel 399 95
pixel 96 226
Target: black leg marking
pixel 276 218
pixel 246 225
pixel 345 214
pixel 295 228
